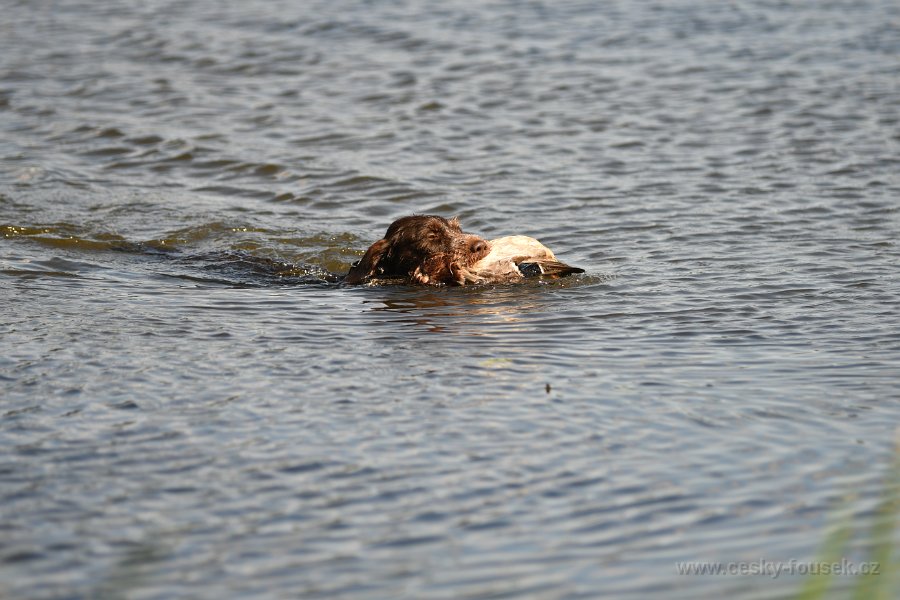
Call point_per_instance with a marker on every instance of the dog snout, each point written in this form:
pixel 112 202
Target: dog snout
pixel 478 246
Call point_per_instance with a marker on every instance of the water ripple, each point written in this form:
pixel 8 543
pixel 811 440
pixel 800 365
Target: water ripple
pixel 193 405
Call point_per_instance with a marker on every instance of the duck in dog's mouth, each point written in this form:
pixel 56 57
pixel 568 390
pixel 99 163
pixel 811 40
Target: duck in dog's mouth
pixel 432 250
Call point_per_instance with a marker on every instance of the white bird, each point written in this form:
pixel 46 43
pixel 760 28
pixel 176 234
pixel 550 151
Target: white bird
pixel 515 257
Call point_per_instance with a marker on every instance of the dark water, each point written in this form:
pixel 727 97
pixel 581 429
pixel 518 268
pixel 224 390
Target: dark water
pixel 190 408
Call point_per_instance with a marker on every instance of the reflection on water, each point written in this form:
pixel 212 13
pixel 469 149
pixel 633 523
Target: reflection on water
pixel 192 404
pixel 443 310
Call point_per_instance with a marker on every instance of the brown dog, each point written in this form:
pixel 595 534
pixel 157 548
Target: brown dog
pixel 422 249
pixel 433 250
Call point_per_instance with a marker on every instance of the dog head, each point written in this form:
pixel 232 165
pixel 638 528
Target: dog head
pixel 424 249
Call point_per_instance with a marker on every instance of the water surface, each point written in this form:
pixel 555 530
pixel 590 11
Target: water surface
pixel 192 406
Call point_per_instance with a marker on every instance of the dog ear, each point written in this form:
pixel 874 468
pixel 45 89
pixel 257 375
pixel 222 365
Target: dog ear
pixel 367 265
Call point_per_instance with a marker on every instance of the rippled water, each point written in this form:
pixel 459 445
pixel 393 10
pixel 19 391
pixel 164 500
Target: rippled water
pixel 191 406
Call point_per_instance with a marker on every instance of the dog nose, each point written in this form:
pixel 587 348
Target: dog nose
pixel 479 246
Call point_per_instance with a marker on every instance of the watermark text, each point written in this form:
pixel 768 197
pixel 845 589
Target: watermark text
pixel 775 569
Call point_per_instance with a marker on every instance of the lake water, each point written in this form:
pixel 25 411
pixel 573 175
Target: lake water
pixel 192 407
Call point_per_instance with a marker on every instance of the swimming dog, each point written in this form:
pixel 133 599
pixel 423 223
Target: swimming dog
pixel 432 250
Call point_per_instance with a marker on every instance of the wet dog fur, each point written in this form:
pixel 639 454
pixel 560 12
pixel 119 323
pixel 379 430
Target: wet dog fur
pixel 424 249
